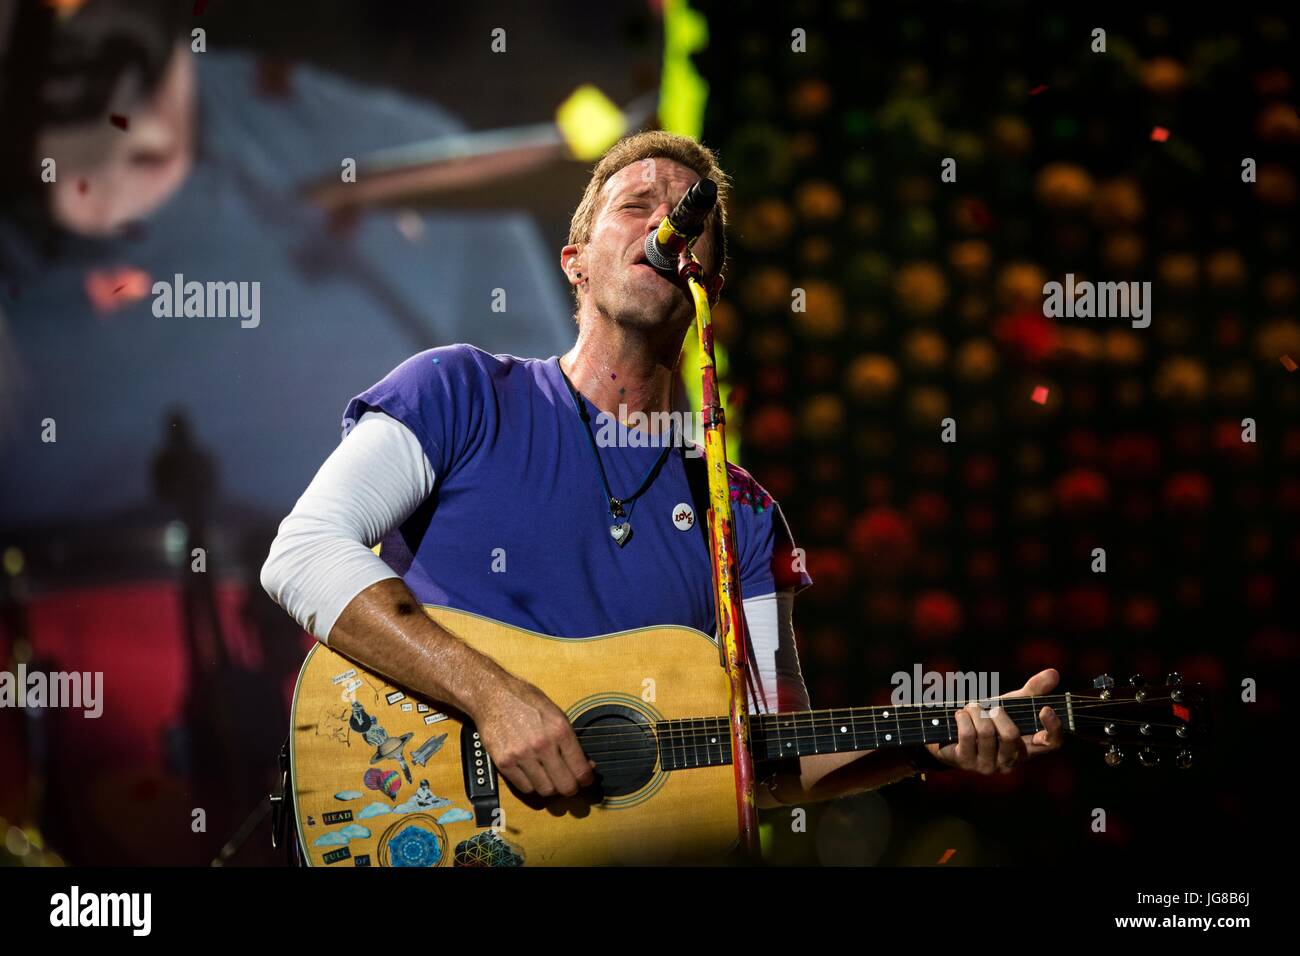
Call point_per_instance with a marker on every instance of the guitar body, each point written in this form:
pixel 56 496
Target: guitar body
pixel 356 737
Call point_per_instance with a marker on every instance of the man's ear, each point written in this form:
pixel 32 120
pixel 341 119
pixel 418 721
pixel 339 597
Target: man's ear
pixel 571 264
pixel 715 289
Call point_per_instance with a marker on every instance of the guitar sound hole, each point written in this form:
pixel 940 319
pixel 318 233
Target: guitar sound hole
pixel 619 740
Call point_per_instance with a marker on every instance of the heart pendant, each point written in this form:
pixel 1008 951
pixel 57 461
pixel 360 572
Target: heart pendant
pixel 620 533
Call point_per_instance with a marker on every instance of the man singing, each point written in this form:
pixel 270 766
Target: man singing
pixel 482 478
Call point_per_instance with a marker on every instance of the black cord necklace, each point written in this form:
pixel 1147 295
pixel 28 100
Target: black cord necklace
pixel 620 530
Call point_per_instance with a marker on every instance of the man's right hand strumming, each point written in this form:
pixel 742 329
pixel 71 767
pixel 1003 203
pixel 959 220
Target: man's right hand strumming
pixel 530 739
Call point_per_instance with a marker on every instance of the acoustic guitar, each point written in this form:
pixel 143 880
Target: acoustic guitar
pixel 380 777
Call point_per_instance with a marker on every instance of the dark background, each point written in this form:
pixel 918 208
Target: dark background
pixel 925 302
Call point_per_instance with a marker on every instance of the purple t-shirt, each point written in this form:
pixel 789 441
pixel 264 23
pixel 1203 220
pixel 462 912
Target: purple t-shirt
pixel 518 526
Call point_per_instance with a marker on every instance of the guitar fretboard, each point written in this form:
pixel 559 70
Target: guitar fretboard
pixel 706 741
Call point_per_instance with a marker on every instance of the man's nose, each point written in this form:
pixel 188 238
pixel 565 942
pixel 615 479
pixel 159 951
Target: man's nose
pixel 658 213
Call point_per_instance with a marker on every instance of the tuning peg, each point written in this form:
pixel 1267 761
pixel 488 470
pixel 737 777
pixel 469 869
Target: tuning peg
pixel 1114 756
pixel 1138 681
pixel 1104 682
pixel 1173 677
pixel 1184 759
pixel 1148 757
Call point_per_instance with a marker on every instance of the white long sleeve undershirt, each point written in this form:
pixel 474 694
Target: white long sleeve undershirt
pixel 373 481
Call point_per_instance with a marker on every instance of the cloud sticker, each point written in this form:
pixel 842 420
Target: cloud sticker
pixel 376 809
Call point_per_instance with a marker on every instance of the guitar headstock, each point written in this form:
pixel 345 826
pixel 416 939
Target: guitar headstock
pixel 1145 721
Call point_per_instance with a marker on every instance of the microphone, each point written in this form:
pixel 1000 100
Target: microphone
pixel 681 227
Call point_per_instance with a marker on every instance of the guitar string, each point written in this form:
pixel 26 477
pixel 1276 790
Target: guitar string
pixel 627 756
pixel 683 731
pixel 806 719
pixel 803 720
pixel 663 737
pixel 690 745
pixel 688 751
pixel 1020 706
pixel 692 734
pixel 687 745
pixel 690 754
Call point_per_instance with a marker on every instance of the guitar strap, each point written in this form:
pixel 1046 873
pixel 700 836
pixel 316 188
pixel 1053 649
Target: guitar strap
pixel 698 480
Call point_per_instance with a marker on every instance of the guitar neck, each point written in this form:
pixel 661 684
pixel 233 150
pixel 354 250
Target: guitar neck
pixel 706 741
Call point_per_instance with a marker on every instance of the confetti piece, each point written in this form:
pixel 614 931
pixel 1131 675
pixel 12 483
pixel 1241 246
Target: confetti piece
pixel 947 855
pixel 82 186
pixel 121 122
pixel 410 225
pixel 437 361
pixel 1038 89
pixel 1040 394
pixel 1159 134
pixel 112 289
pixel 1288 363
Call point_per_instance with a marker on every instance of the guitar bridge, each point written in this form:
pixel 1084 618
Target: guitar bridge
pixel 481 784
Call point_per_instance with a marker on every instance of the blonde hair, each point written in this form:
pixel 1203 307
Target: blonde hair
pixel 649 145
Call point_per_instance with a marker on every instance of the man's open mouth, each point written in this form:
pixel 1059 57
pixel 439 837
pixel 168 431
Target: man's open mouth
pixel 641 260
pixel 670 277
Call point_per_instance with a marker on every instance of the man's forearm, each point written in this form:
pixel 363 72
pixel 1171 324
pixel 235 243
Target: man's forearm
pixel 385 629
pixel 827 776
